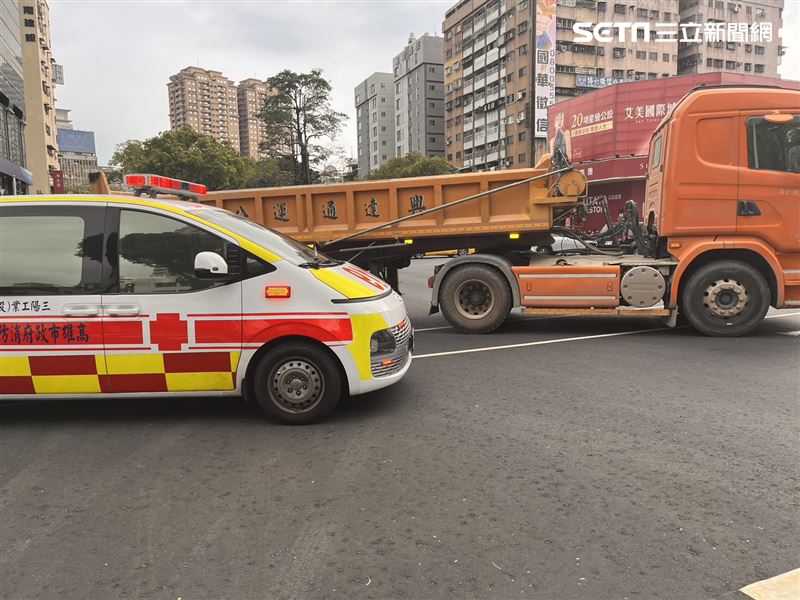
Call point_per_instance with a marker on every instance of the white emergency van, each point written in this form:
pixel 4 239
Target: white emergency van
pixel 126 296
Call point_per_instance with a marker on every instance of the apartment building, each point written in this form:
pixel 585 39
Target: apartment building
pixel 419 96
pixel 207 102
pixel 375 121
pixel 77 153
pixel 490 72
pixel 39 71
pixel 14 177
pixel 251 94
pixel 754 51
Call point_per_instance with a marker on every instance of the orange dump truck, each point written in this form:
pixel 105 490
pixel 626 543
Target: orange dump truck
pixel 719 241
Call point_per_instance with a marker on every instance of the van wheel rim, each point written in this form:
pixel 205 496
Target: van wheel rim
pixel 474 299
pixel 297 386
pixel 725 298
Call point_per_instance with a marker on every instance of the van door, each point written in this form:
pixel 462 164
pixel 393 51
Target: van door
pixel 168 329
pixel 51 273
pixel 769 180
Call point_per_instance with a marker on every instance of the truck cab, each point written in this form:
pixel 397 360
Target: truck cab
pixel 723 192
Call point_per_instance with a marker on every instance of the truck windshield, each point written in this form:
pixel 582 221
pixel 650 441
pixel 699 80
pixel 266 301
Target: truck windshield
pixel 274 241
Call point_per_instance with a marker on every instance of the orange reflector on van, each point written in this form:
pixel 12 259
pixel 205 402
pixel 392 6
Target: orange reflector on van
pixel 387 362
pixel 277 291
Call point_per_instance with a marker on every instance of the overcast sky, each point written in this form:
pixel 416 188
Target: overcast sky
pixel 118 55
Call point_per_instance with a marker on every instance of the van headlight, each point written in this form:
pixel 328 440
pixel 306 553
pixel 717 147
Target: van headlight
pixel 382 342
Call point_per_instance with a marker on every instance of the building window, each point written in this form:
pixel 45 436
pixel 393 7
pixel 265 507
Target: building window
pixel 522 158
pixel 30 23
pixel 30 37
pixel 748 67
pixel 653 56
pixel 665 57
pixel 619 9
pixel 759 69
pixel 28 10
pixel 641 55
pixel 760 49
pixel 523 72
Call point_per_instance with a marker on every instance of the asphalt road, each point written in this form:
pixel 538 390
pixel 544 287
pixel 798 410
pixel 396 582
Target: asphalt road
pixel 653 464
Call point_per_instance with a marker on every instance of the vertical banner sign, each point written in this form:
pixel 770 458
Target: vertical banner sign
pixel 544 82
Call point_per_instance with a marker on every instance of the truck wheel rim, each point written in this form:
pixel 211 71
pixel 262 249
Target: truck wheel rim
pixel 725 298
pixel 297 386
pixel 474 299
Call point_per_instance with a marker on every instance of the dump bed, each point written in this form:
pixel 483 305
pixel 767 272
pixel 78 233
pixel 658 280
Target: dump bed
pixel 320 213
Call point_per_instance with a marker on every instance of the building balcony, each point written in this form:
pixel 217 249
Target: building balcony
pixel 468 70
pixel 492 56
pixel 480 62
pixel 468 87
pixel 492 75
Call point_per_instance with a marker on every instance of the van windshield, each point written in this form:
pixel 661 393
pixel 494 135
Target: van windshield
pixel 274 241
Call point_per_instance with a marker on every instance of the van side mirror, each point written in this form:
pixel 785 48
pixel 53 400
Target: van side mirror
pixel 210 265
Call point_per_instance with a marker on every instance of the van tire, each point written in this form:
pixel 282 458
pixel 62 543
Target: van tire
pixel 475 298
pixel 725 298
pixel 297 383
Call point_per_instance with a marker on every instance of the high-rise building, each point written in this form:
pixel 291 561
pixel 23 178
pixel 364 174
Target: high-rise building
pixel 40 74
pixel 375 121
pixel 14 177
pixel 419 97
pixel 77 153
pixel 498 54
pixel 251 94
pixel 755 51
pixel 207 102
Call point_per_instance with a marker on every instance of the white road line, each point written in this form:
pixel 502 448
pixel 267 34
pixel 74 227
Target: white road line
pixel 538 318
pixel 538 343
pixel 780 587
pixel 795 333
pixel 560 340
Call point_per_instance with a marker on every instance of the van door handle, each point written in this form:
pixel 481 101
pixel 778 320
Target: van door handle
pixel 81 310
pixel 123 310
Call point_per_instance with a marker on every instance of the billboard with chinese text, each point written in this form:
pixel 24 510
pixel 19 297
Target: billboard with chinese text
pixel 618 120
pixel 544 75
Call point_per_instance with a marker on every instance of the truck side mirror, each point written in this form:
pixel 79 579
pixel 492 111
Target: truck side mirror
pixel 210 265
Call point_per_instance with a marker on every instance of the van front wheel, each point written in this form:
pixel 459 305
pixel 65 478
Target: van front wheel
pixel 297 383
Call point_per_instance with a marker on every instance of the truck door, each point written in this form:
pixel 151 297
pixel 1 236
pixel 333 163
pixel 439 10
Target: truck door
pixel 769 179
pixel 168 328
pixel 51 274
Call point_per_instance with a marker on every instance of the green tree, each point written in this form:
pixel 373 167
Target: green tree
pixel 300 122
pixel 413 164
pixel 185 154
pixel 271 172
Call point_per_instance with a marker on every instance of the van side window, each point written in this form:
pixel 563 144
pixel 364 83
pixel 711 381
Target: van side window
pixel 773 146
pixel 156 254
pixel 48 250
